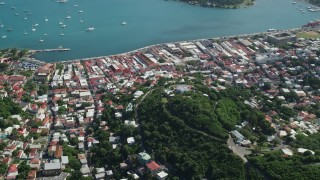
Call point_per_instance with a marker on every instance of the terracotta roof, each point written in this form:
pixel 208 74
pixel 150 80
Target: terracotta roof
pixel 34 161
pixel 13 168
pixel 32 174
pixel 58 152
pixel 153 166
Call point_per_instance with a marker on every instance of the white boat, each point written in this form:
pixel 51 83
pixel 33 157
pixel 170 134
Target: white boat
pixel 62 1
pixel 13 7
pixel 45 34
pixel 272 30
pixel 76 5
pixel 90 29
pixel 46 19
pixel 35 25
pixel 124 23
pixel 33 29
pixel 68 17
pixel 25 18
pixel 16 14
pixel 61 34
pixel 81 21
pixel 1 25
pixel 294 2
pixel 24 32
pixel 2 3
pixel 3 36
pixel 60 22
pixel 63 26
pixel 41 40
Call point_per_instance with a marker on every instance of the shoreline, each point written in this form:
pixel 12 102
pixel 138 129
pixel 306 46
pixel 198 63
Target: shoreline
pixel 244 4
pixel 148 47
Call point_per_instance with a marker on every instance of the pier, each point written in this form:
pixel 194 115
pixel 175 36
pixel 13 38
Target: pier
pixel 50 50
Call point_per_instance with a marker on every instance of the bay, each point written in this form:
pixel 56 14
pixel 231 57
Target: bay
pixel 148 22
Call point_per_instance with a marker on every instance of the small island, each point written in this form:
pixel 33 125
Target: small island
pixel 222 3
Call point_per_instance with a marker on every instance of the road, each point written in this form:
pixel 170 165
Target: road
pixel 136 116
pixel 238 150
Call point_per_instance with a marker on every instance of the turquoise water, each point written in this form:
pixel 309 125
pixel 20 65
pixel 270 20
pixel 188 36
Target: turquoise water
pixel 148 22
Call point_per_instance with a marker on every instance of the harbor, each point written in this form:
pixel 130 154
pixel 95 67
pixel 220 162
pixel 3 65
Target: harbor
pixel 114 27
pixel 50 50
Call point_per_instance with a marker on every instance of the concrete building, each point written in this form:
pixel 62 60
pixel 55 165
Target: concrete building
pixel 281 38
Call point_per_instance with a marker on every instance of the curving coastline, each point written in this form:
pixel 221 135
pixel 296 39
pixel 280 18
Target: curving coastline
pixel 160 44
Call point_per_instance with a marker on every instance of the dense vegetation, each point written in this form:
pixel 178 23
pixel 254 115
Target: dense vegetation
pixel 276 166
pixel 315 2
pixel 196 111
pixel 191 154
pixel 13 54
pixel 218 2
pixel 8 107
pixel 310 142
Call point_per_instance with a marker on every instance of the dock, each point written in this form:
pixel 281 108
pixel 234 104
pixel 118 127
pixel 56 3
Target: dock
pixel 50 50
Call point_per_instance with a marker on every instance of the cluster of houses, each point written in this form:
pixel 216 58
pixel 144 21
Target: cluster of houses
pixel 26 138
pixel 77 87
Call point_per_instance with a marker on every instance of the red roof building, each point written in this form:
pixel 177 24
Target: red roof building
pixel 153 167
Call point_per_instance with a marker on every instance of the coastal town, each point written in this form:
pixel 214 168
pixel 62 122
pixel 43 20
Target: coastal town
pixel 65 117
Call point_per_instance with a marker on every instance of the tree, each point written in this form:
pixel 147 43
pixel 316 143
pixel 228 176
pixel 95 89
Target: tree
pixel 75 175
pixel 26 98
pixel 74 163
pixel 3 168
pixel 43 89
pixel 23 170
pixel 62 110
pixel 3 67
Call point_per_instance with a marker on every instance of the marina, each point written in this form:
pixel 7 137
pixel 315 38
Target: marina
pixel 50 50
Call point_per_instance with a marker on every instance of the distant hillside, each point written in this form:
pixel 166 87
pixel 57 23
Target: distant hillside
pixel 217 3
pixel 315 2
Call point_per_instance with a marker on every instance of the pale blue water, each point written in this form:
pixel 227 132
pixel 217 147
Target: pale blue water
pixel 148 22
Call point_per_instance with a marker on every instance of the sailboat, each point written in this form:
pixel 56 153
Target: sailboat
pixel 81 21
pixel 46 19
pixel 33 28
pixel 1 25
pixel 60 22
pixel 61 34
pixel 24 32
pixel 25 18
pixel 9 29
pixel 41 40
pixel 3 36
